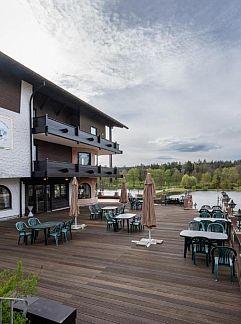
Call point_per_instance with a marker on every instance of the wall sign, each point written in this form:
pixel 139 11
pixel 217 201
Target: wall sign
pixel 6 133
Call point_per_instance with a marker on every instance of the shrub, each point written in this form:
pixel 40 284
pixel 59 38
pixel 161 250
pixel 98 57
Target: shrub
pixel 16 284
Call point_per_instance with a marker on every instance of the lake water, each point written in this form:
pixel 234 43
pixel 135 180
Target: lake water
pixel 198 197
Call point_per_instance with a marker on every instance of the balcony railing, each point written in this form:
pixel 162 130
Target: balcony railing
pixel 48 125
pixel 48 168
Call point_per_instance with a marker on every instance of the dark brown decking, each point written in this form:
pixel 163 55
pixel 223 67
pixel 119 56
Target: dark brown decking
pixel 110 280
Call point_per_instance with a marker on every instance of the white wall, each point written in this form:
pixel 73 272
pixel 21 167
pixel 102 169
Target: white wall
pixel 14 186
pixel 15 162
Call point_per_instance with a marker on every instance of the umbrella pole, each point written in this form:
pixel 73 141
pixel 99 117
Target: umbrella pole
pixel 148 242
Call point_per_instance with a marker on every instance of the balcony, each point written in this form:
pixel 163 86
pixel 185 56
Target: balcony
pixel 48 126
pixel 57 169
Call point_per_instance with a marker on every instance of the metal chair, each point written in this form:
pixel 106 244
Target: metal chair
pixel 224 256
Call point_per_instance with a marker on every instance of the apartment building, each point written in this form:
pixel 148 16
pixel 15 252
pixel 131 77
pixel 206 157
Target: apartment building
pixel 48 136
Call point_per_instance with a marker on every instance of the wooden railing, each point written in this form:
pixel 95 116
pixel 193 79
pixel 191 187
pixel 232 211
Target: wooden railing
pixel 48 125
pixel 49 168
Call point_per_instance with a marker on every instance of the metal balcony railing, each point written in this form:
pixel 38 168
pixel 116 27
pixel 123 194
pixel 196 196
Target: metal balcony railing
pixel 48 125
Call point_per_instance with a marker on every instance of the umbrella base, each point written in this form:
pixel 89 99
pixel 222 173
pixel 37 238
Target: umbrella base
pixel 147 242
pixel 77 227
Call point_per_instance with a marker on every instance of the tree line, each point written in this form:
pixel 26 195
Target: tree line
pixel 189 175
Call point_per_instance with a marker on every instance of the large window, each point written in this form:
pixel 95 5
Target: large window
pixel 84 191
pixel 5 198
pixel 84 159
pixel 60 191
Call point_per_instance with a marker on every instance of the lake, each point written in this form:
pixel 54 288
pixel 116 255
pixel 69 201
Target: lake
pixel 198 197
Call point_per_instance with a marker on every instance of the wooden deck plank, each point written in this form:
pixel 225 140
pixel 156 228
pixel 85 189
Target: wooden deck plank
pixel 111 280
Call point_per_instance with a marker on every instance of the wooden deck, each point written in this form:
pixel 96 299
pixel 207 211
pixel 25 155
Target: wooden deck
pixel 110 280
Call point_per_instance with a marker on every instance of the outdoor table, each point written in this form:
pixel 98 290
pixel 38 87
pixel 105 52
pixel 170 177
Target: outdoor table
pixel 211 236
pixel 44 226
pixel 212 219
pixel 111 208
pixel 126 216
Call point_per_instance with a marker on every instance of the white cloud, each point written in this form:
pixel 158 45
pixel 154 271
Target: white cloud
pixel 168 69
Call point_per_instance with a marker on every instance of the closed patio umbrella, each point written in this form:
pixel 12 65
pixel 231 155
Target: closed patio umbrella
pixel 123 194
pixel 148 211
pixel 74 208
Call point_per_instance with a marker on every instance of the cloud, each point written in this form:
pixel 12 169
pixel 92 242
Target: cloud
pixel 169 70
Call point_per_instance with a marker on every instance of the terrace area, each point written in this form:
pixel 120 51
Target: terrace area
pixel 111 280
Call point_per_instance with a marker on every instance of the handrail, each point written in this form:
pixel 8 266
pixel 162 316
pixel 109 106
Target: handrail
pixel 12 301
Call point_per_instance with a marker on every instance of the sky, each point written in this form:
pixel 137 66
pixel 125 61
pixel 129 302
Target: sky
pixel 168 69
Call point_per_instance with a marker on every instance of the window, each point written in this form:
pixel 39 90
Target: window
pixel 93 130
pixel 5 198
pixel 60 191
pixel 84 191
pixel 84 158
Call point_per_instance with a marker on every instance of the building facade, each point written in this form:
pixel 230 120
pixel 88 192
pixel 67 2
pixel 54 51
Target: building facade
pixel 48 136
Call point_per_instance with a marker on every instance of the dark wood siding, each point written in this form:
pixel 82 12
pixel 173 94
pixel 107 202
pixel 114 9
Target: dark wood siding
pixel 10 92
pixel 53 152
pixel 55 110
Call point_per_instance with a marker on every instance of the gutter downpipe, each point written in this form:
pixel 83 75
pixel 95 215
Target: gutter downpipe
pixel 31 125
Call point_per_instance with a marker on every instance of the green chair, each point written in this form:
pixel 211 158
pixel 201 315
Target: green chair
pixel 195 226
pixel 218 214
pixel 33 221
pixel 205 214
pixel 67 225
pixel 56 233
pixel 110 221
pixel 93 212
pixel 223 256
pixel 64 230
pixel 136 224
pixel 205 223
pixel 200 245
pixel 22 229
pixel 216 227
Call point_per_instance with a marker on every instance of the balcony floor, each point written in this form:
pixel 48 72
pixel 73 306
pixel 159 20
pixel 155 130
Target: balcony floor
pixel 110 280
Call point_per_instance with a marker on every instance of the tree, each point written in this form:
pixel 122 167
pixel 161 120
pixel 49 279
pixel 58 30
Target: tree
pixel 132 176
pixel 176 177
pixel 188 181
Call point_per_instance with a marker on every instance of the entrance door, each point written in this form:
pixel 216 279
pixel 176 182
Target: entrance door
pixel 38 196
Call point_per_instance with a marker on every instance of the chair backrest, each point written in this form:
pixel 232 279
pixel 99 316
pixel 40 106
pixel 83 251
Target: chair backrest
pixel 204 214
pixel 109 216
pixel 92 209
pixel 217 214
pixel 205 223
pixel 195 226
pixel 216 227
pixel 57 229
pixel 200 244
pixel 206 207
pixel 98 208
pixel 216 207
pixel 224 254
pixel 222 222
pixel 21 226
pixel 33 221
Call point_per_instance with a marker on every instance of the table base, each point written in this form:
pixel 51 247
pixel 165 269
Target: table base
pixel 147 242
